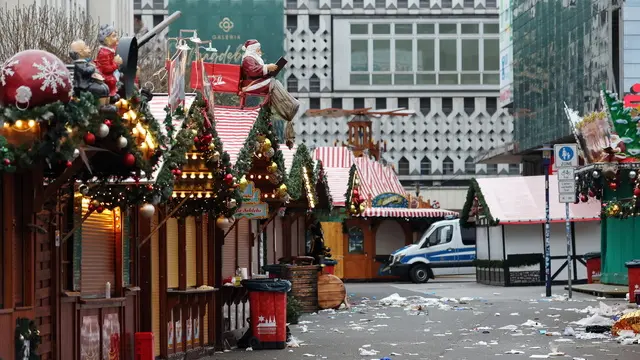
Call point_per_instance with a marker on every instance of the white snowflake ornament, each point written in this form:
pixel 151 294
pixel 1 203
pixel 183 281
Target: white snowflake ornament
pixel 6 71
pixel 51 75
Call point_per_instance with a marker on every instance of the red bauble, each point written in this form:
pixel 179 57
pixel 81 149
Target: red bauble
pixel 6 162
pixel 89 138
pixel 583 198
pixel 69 163
pixel 355 193
pixel 636 192
pixel 591 193
pixel 107 122
pixel 91 207
pixel 228 178
pixel 100 209
pixel 150 187
pixel 196 140
pixel 613 186
pixel 129 160
pixel 34 77
pixel 178 172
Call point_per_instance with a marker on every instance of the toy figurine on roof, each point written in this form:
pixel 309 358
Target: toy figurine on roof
pixel 107 60
pixel 259 79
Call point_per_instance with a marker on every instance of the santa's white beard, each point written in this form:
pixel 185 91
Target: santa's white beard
pixel 254 56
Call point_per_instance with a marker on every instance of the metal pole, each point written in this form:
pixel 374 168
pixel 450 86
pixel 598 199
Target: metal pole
pixel 569 251
pixel 547 231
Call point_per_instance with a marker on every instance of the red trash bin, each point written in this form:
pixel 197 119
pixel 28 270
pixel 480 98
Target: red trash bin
pixel 329 266
pixel 145 349
pixel 633 267
pixel 594 265
pixel 268 309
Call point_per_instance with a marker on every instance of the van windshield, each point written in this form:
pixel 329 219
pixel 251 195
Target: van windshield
pixel 424 235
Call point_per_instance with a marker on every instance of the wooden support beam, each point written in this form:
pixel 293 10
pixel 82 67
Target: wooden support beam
pixel 199 250
pixel 163 221
pixel 52 188
pixel 70 233
pixel 182 255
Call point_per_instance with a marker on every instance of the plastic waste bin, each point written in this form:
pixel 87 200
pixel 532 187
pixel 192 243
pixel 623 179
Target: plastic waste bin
pixel 268 310
pixel 329 266
pixel 145 349
pixel 633 267
pixel 593 267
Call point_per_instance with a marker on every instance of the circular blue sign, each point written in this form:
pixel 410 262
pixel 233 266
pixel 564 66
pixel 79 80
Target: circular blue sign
pixel 566 153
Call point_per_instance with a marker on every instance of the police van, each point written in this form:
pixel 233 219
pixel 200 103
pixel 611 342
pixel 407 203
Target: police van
pixel 445 248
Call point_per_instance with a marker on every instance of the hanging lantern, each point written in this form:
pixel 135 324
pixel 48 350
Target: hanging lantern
pixel 147 211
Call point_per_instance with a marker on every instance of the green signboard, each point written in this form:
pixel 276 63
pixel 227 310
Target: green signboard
pixel 229 23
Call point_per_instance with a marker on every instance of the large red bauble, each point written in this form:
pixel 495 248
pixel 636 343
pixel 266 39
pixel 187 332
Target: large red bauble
pixel 34 77
pixel 129 160
pixel 228 178
pixel 89 138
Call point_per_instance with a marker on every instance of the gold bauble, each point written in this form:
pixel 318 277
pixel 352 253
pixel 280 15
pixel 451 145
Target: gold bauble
pixel 95 203
pixel 356 182
pixel 283 187
pixel 262 138
pixel 352 208
pixel 266 145
pixel 361 208
pixel 273 167
pixel 212 146
pixel 243 183
pixel 614 210
pixel 216 155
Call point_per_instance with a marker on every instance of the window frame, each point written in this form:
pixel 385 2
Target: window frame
pixel 357 80
pixel 446 162
pixel 402 161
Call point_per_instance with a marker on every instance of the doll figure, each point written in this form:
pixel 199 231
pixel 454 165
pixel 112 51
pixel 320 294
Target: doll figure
pixel 107 60
pixel 86 76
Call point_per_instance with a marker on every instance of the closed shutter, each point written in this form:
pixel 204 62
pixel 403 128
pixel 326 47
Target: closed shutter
pixel 98 252
pixel 205 269
pixel 155 284
pixel 173 267
pixel 244 243
pixel 126 247
pixel 190 233
pixel 229 255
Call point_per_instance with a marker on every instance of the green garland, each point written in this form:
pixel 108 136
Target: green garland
pixel 473 192
pixel 320 178
pixel 616 185
pixel 206 140
pixel 263 126
pixel 295 184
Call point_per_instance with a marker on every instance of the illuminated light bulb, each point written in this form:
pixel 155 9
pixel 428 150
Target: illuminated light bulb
pixel 194 157
pixel 207 195
pixel 201 176
pixel 174 195
pixel 259 177
pixel 132 115
pixel 7 125
pixel 126 116
pixel 266 196
pixel 266 177
pixel 31 123
pixel 209 176
pixel 199 195
pixel 273 196
pixel 186 156
pixel 143 145
pixel 184 176
pixel 250 176
pixel 191 196
pixel 134 131
pixel 182 195
pixel 18 123
pixel 193 175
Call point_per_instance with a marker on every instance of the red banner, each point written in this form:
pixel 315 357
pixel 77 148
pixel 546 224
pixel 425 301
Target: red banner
pixel 223 77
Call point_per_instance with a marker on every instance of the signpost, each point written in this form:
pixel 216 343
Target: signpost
pixel 566 160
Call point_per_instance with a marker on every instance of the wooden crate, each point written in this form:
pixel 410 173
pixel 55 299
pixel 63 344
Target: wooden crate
pixel 304 286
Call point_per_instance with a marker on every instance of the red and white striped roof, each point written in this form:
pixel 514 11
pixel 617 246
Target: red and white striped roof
pixel 376 178
pixel 160 102
pixel 407 213
pixel 288 155
pixel 233 126
pixel 336 162
pixel 338 181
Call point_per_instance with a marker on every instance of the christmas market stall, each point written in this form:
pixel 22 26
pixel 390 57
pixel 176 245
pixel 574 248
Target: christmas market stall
pixel 608 141
pixel 509 231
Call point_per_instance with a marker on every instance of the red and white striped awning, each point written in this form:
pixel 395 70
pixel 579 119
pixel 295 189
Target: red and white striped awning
pixel 376 178
pixel 288 155
pixel 233 126
pixel 407 213
pixel 334 156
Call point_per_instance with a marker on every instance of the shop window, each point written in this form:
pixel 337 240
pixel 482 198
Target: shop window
pixel 358 103
pixel 356 241
pixel 403 103
pixel 492 169
pixel 425 166
pixel 469 166
pixel 381 103
pixel 425 105
pixel 336 103
pixel 292 23
pixel 403 166
pixel 314 103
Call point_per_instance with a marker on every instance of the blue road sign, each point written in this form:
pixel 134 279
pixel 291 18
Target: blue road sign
pixel 566 155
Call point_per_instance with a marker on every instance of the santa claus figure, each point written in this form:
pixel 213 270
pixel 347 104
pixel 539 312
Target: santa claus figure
pixel 107 60
pixel 257 75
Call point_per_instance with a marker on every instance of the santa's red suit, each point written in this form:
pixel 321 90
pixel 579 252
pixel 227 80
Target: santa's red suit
pixel 105 62
pixel 255 76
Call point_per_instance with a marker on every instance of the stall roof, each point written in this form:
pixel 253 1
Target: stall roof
pixel 407 213
pixel 376 178
pixel 521 200
pixel 288 155
pixel 336 162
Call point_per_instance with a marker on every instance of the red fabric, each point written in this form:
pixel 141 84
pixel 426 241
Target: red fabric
pixel 105 62
pixel 329 270
pixel 250 42
pixel 270 307
pixel 634 283
pixel 593 268
pixel 145 349
pixel 252 71
pixel 224 78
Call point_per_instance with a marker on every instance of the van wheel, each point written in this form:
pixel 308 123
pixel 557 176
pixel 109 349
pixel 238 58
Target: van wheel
pixel 419 273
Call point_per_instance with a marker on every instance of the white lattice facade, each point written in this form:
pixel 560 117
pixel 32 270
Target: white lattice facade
pixel 334 48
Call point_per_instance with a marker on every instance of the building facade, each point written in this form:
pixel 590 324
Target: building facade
pixel 563 52
pixel 118 13
pixel 439 58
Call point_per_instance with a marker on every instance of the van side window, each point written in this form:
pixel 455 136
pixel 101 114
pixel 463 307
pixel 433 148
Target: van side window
pixel 441 235
pixel 468 236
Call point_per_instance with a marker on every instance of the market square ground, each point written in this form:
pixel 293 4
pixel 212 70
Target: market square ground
pixel 448 330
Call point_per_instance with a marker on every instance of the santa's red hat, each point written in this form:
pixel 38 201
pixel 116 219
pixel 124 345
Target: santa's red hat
pixel 250 45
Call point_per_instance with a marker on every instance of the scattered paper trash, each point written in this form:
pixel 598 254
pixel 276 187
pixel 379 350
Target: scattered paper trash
pixel 249 349
pixel 367 352
pixel 514 352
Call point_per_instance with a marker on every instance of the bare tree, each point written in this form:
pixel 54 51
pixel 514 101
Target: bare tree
pixel 46 28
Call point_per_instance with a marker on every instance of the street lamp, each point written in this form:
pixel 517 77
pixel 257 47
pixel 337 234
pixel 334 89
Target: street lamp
pixel 547 152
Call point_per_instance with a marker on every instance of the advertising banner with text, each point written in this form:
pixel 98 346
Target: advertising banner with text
pixel 229 23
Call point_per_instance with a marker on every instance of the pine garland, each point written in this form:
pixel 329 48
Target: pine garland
pixel 295 184
pixel 473 193
pixel 616 185
pixel 320 178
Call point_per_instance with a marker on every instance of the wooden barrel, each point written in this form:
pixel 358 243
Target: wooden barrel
pixel 331 291
pixel 304 286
